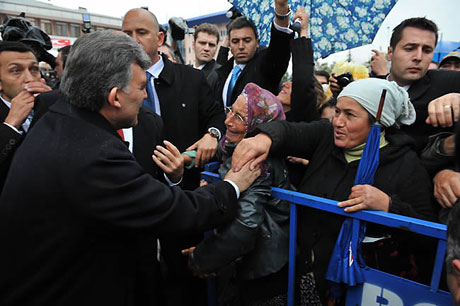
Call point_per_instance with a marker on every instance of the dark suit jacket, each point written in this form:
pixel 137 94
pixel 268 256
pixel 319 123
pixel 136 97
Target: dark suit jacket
pixel 73 205
pixel 188 109
pixel 10 139
pixel 266 68
pixel 187 105
pixel 147 134
pixel 434 84
pixel 209 71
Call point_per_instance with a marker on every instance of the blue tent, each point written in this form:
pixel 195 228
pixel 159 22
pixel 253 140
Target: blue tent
pixel 443 48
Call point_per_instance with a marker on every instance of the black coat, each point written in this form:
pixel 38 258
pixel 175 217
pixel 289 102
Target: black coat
pixel 434 84
pixel 147 134
pixel 187 105
pixel 73 205
pixel 400 175
pixel 210 73
pixel 188 109
pixel 10 140
pixel 303 95
pixel 258 238
pixel 266 68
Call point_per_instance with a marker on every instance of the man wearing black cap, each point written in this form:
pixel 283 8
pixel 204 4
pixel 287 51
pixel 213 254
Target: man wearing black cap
pixel 451 61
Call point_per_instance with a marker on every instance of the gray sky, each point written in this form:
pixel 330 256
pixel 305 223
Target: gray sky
pixel 444 12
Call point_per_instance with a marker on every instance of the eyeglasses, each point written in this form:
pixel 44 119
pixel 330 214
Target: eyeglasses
pixel 236 116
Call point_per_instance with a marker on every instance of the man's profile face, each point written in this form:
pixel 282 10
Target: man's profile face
pixel 412 55
pixel 205 47
pixel 243 44
pixel 139 24
pixel 16 70
pixel 131 99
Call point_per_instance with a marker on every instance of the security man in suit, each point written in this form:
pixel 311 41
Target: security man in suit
pixel 263 66
pixel 192 120
pixel 20 83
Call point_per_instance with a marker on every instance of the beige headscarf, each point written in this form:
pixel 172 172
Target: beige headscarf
pixel 397 109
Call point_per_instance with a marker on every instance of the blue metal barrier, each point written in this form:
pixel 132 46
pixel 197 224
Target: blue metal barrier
pixel 380 288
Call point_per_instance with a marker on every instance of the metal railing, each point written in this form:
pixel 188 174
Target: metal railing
pixel 431 294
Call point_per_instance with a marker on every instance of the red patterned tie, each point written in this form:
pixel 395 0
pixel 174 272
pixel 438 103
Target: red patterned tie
pixel 120 132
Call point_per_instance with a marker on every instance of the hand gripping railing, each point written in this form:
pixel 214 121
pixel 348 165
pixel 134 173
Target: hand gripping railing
pixel 426 228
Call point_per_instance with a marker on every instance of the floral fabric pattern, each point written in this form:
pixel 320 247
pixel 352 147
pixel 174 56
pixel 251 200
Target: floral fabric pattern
pixel 263 106
pixel 335 25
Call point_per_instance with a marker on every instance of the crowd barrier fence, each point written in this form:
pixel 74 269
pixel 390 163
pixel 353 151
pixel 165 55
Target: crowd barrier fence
pixel 379 288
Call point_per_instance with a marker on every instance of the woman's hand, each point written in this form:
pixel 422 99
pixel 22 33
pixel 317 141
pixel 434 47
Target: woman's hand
pixel 366 197
pixel 254 149
pixel 170 161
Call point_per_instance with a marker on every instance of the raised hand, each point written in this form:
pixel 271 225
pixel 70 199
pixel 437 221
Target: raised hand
pixel 254 149
pixel 170 160
pixel 244 178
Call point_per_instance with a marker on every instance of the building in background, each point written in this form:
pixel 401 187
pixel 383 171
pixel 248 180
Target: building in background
pixel 63 25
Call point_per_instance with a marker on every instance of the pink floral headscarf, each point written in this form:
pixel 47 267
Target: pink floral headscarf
pixel 263 106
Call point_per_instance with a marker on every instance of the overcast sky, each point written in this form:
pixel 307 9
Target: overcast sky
pixel 444 12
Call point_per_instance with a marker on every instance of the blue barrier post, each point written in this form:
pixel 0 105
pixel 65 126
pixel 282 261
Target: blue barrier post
pixel 292 251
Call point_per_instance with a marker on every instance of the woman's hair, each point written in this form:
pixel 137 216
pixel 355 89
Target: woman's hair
pixel 330 103
pixel 321 97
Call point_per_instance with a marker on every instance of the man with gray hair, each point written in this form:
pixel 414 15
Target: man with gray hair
pixel 76 202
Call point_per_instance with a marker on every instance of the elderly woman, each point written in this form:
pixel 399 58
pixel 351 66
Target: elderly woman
pixel 401 184
pixel 257 240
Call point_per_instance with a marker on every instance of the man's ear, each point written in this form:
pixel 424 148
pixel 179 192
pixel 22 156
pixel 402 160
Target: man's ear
pixel 456 266
pixel 389 53
pixel 161 38
pixel 1 85
pixel 113 98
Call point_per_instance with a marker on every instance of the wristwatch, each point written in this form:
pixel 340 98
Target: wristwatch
pixel 214 132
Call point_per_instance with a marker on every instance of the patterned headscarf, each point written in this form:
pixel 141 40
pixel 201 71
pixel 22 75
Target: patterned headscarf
pixel 262 105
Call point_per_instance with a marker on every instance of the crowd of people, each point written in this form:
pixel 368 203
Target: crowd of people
pixel 101 201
